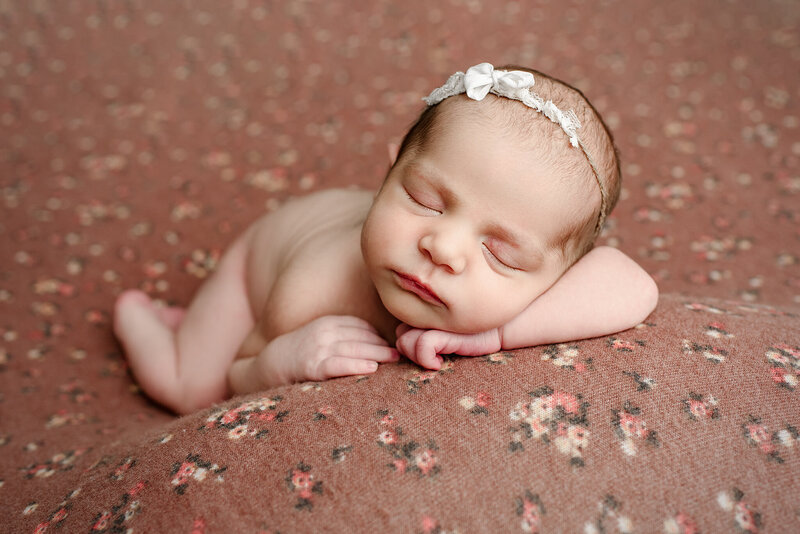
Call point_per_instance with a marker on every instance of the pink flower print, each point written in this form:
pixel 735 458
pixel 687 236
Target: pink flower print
pixel 122 468
pixel 422 378
pixel 102 522
pixel 201 262
pixel 630 426
pixel 193 470
pixel 717 330
pixel 407 455
pixel 60 515
pixel 643 383
pixel 185 471
pixel 478 404
pixel 566 401
pixel 231 415
pixel 387 437
pixel 237 432
pixel 425 461
pixel 572 441
pixel 552 417
pixel 400 465
pixel 712 354
pixel 697 306
pixel 563 355
pixel 744 517
pixel 301 481
pixel 699 408
pixel 538 428
pixel 387 420
pixel 243 420
pixel 785 361
pixel 429 525
pixel 498 358
pixel 610 514
pixel 757 435
pixel 578 437
pixel 139 486
pixel 681 524
pixel 794 352
pixel 621 345
pixel 530 511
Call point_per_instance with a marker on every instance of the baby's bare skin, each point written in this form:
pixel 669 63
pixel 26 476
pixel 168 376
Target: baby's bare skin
pixel 285 250
pixel 299 263
pixel 457 244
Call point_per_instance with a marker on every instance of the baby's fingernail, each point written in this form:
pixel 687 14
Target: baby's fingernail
pixel 373 366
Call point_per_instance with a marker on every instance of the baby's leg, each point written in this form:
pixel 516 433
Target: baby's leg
pixel 181 361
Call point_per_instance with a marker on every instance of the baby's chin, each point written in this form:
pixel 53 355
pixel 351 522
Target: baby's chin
pixel 437 322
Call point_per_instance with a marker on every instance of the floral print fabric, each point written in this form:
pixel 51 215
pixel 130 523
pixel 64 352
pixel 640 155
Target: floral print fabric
pixel 139 138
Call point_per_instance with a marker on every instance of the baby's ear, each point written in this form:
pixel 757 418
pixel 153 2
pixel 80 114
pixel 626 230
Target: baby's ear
pixel 393 149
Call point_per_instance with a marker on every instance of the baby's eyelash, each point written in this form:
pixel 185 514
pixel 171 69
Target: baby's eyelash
pixel 498 260
pixel 418 203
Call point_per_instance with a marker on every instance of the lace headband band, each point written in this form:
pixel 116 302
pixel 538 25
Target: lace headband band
pixel 483 79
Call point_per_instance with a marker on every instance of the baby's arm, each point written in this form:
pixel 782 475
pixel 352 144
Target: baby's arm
pixel 604 292
pixel 327 347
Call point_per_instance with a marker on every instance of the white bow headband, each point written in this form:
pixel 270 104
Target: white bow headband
pixel 483 79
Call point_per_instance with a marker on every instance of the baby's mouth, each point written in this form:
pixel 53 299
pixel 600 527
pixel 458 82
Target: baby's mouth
pixel 414 285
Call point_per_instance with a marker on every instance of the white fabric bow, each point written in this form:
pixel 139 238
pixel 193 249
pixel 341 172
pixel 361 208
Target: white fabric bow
pixel 480 79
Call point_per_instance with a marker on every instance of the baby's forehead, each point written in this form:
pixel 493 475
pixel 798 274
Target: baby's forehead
pixel 509 118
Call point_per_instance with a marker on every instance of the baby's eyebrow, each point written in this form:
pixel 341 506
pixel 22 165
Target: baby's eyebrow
pixel 517 241
pixel 434 178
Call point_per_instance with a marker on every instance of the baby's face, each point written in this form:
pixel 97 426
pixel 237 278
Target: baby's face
pixel 460 236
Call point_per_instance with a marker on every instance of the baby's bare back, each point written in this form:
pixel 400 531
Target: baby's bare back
pixel 305 262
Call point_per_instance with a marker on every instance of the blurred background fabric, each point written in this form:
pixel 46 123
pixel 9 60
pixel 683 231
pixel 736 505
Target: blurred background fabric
pixel 137 138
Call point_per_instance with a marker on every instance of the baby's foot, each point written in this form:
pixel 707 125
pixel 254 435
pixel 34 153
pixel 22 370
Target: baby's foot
pixel 172 316
pixel 136 301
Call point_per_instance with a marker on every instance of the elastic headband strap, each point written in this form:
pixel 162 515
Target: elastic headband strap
pixel 483 79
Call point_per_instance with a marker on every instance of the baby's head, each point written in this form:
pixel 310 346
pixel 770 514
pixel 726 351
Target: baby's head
pixel 489 201
pixel 570 165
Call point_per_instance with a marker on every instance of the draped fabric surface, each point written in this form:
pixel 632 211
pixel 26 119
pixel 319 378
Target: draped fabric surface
pixel 138 138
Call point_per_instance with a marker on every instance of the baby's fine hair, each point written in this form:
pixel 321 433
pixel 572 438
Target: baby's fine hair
pixel 578 238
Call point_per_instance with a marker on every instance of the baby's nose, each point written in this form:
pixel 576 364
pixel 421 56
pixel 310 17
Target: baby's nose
pixel 445 251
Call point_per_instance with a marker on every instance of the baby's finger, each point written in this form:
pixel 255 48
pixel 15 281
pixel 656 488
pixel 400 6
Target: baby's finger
pixel 365 351
pixel 355 322
pixel 407 343
pixel 426 350
pixel 341 366
pixel 359 335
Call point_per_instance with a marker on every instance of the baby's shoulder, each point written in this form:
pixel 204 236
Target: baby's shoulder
pixel 325 207
pixel 335 200
pixel 301 218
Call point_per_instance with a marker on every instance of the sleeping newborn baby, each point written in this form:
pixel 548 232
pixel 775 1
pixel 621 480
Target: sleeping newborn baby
pixel 479 239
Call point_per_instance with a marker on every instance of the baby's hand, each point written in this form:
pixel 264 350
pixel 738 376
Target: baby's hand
pixel 424 346
pixel 331 346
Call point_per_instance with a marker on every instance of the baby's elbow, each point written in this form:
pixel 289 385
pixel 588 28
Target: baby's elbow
pixel 649 295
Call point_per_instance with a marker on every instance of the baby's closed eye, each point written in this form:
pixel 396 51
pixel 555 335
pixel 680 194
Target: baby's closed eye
pixel 419 200
pixel 499 259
